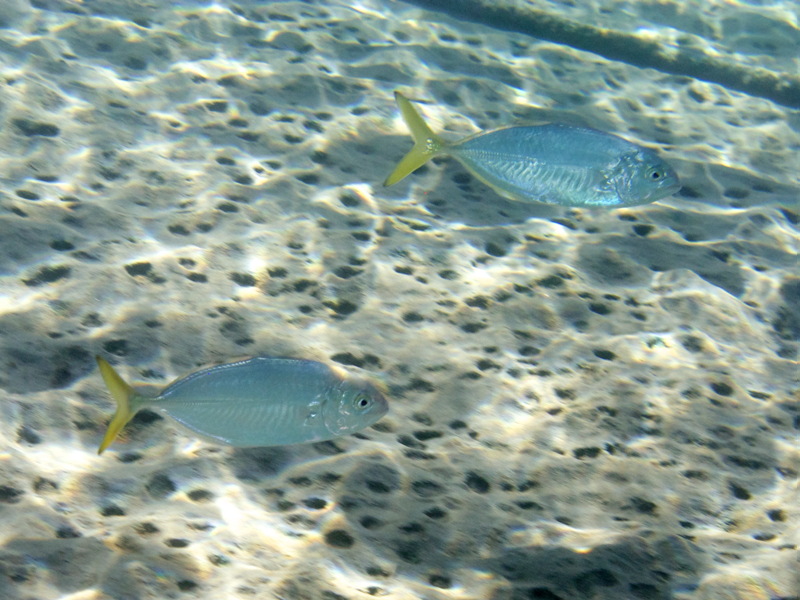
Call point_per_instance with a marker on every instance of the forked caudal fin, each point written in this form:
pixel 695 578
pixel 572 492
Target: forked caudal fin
pixel 426 143
pixel 123 395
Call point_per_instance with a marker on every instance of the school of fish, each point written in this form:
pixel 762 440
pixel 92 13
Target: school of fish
pixel 265 401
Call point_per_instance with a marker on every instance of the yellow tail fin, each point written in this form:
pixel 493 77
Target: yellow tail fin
pixel 122 394
pixel 426 143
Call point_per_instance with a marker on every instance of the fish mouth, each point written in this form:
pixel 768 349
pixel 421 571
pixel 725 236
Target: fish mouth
pixel 669 185
pixel 382 408
pixel 672 186
pixel 380 404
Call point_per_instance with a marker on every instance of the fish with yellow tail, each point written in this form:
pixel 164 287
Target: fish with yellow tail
pixel 554 164
pixel 261 401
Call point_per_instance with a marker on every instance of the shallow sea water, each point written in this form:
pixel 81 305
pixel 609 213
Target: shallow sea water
pixel 585 404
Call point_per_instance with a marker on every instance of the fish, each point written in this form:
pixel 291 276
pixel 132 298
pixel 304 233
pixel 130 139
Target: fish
pixel 260 401
pixel 554 164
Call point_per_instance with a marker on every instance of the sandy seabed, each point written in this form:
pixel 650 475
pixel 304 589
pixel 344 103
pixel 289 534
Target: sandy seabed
pixel 585 404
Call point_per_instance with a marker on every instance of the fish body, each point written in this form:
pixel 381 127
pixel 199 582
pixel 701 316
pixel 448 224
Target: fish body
pixel 261 401
pixel 555 164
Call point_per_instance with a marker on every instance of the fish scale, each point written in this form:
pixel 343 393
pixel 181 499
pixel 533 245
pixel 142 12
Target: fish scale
pixel 231 420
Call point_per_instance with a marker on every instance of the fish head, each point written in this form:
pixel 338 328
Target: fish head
pixel 353 405
pixel 642 177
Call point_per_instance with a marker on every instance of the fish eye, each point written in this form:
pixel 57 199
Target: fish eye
pixel 655 175
pixel 362 401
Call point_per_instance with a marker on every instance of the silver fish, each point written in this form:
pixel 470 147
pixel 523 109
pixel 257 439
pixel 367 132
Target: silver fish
pixel 260 401
pixel 555 164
